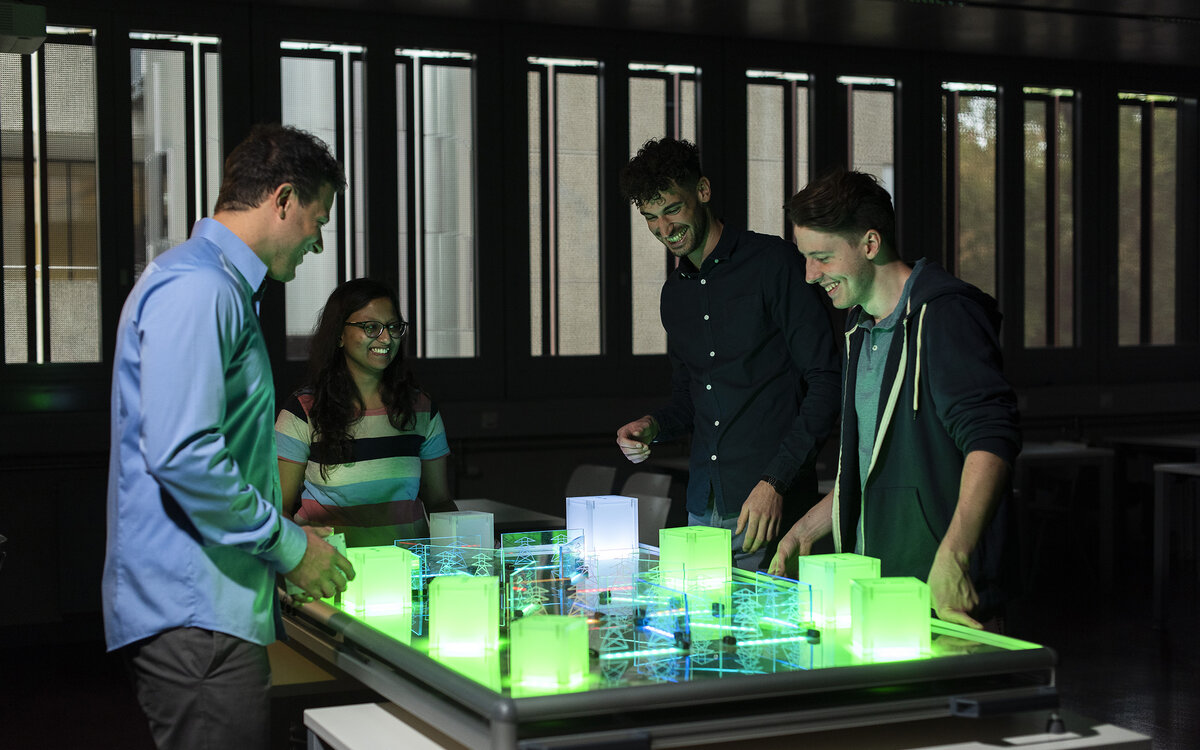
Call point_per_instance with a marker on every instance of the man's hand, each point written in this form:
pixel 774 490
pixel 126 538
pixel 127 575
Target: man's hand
pixel 760 517
pixel 951 592
pixel 634 438
pixel 323 571
pixel 799 539
pixel 791 546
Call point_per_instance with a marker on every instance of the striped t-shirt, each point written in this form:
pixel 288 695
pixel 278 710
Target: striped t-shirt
pixel 379 485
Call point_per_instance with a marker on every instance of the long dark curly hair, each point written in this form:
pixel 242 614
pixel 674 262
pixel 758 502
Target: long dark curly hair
pixel 337 404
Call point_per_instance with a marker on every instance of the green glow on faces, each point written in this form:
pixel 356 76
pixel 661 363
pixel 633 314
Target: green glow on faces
pixel 382 583
pixel 890 618
pixel 464 615
pixel 548 652
pixel 830 576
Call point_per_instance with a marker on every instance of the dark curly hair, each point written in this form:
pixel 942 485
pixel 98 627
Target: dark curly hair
pixel 337 404
pixel 659 164
pixel 846 204
pixel 271 155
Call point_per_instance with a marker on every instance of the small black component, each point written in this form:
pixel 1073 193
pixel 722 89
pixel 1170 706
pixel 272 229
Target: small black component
pixel 1055 724
pixel 729 640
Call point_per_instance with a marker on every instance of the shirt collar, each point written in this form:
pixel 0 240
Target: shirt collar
pixel 238 253
pixel 865 319
pixel 725 247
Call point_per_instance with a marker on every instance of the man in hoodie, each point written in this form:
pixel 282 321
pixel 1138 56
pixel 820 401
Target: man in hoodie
pixel 929 424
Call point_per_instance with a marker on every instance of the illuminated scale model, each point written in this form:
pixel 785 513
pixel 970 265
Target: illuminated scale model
pixel 584 623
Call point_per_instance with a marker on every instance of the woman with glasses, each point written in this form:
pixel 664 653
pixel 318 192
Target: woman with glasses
pixel 362 448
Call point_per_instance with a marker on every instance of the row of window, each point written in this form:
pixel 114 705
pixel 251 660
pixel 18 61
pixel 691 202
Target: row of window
pixel 51 239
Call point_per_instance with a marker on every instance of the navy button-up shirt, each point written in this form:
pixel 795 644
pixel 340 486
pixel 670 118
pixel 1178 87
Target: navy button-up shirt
pixel 756 375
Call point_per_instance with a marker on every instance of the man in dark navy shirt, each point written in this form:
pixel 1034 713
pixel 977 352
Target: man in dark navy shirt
pixel 755 374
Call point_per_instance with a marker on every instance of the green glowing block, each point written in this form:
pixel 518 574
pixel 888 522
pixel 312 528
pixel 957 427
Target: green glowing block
pixel 890 618
pixel 548 652
pixel 704 550
pixel 830 577
pixel 484 668
pixel 464 614
pixel 382 582
pixel 609 523
pixel 471 528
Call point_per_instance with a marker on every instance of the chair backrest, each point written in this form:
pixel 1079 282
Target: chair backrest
pixel 591 479
pixel 646 483
pixel 652 516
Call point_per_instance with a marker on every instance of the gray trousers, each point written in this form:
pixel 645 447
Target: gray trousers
pixel 202 690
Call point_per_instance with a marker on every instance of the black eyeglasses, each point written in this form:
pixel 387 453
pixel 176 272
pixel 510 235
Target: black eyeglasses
pixel 373 328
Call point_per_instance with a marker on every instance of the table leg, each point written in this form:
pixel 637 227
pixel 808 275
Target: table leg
pixel 1161 551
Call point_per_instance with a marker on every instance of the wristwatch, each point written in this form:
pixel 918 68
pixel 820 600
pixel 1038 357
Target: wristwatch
pixel 780 486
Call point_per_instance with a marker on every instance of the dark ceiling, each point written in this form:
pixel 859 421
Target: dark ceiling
pixel 1131 31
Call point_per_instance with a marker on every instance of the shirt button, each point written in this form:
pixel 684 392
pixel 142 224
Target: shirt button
pixel 874 348
pixel 713 457
pixel 712 354
pixel 706 317
pixel 716 423
pixel 703 281
pixel 708 387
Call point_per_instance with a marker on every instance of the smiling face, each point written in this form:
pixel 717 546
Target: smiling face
pixel 842 268
pixel 298 230
pixel 366 355
pixel 679 218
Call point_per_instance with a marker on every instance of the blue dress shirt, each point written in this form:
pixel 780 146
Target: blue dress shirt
pixel 195 528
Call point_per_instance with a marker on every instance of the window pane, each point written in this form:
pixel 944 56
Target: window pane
pixel 13 160
pixel 1129 224
pixel 1147 184
pixel 1162 243
pixel 565 305
pixel 1049 216
pixel 777 146
pixel 160 152
pixel 970 200
pixel 662 102
pixel 213 120
pixel 435 175
pixel 72 239
pixel 310 102
pixel 872 135
pixel 448 189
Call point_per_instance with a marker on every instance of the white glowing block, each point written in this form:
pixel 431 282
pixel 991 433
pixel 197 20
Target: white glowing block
pixel 382 582
pixel 609 523
pixel 891 618
pixel 472 528
pixel 464 614
pixel 830 577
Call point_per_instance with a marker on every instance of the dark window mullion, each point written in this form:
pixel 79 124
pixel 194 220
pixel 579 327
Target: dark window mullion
pixel 189 137
pixel 549 285
pixel 952 186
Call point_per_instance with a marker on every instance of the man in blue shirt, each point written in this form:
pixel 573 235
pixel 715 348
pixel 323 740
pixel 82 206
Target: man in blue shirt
pixel 196 535
pixel 755 373
pixel 929 424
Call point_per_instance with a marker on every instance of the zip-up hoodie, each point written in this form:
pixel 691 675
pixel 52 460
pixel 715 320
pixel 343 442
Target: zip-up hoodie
pixel 943 395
